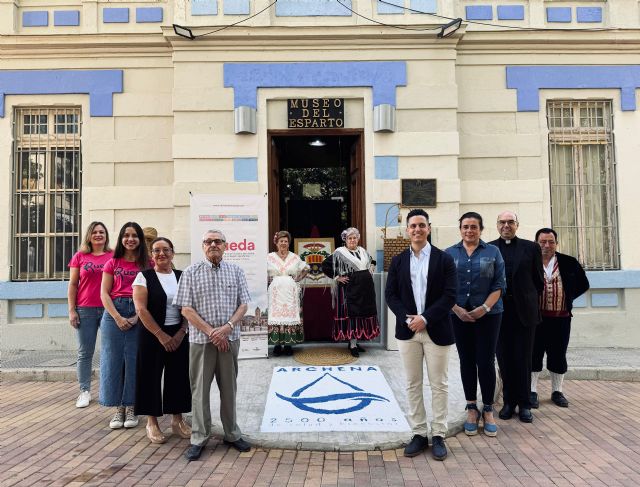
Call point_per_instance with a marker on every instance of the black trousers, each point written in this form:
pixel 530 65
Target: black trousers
pixel 515 348
pixel 151 398
pixel 552 338
pixel 476 344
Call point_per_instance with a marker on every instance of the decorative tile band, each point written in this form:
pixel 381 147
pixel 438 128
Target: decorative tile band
pixel 386 167
pixel 589 14
pixel 204 7
pixel 313 8
pixel 381 214
pixel 115 15
pixel 426 6
pixel 57 310
pixel 558 14
pixel 35 18
pixel 479 12
pixel 63 18
pixel 237 7
pixel 245 169
pixel 385 8
pixel 100 85
pixel 528 80
pixel 382 76
pixel 510 12
pixel 146 15
pixel 604 300
pixel 28 310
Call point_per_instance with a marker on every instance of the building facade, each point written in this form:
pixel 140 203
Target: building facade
pixel 106 114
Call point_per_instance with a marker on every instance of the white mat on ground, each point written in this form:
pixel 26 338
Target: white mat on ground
pixel 331 398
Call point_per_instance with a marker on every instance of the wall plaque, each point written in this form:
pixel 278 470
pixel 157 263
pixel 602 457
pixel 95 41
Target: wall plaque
pixel 315 113
pixel 418 193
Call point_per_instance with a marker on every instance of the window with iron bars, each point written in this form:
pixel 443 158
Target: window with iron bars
pixel 46 192
pixel 582 176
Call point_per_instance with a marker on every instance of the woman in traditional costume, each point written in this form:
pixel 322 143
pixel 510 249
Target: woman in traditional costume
pixel 353 292
pixel 285 269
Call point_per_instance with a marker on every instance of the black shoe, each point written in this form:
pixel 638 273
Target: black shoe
pixel 239 444
pixel 277 350
pixel 525 415
pixel 533 399
pixel 559 400
pixel 438 448
pixel 354 351
pixel 288 351
pixel 193 452
pixel 507 411
pixel 416 446
pixel 359 348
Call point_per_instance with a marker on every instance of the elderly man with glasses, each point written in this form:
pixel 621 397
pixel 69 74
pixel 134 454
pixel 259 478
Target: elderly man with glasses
pixel 213 295
pixel 523 270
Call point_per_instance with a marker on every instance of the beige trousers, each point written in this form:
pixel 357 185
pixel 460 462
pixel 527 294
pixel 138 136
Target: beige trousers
pixel 205 362
pixel 414 351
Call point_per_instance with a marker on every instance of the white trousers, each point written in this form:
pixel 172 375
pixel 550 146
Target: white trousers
pixel 413 352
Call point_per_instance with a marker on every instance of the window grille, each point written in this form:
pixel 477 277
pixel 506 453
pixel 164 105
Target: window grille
pixel 46 192
pixel 583 181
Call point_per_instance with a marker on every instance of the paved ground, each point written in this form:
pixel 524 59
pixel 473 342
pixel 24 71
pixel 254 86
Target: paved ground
pixel 44 440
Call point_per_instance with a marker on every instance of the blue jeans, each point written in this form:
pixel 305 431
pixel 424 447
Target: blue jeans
pixel 87 332
pixel 118 357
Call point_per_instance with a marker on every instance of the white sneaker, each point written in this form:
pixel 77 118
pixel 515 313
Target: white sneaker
pixel 83 399
pixel 131 420
pixel 118 419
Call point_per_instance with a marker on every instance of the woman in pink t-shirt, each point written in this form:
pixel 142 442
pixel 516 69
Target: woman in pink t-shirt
pixel 83 296
pixel 118 329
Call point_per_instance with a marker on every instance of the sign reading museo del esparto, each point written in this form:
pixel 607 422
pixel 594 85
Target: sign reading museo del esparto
pixel 315 113
pixel 331 398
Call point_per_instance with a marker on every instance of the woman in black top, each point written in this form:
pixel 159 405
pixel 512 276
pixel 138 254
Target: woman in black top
pixel 162 346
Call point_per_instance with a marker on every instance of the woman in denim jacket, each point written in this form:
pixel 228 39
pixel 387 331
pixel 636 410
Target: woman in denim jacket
pixel 477 316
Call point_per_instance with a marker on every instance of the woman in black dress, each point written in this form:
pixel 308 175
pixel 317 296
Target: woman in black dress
pixel 353 292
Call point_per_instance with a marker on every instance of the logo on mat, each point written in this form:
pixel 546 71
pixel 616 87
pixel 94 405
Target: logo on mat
pixel 340 400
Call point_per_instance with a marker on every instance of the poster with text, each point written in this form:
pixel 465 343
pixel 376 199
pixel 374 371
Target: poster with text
pixel 243 221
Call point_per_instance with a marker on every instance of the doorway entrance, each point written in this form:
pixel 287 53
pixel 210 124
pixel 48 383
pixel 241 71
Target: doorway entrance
pixel 316 190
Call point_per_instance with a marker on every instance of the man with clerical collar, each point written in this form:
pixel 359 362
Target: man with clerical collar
pixel 214 297
pixel 523 270
pixel 564 281
pixel 421 290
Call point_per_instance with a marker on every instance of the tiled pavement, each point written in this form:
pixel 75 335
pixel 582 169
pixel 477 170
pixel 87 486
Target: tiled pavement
pixel 45 440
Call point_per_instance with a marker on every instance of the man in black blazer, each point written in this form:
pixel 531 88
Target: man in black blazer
pixel 564 281
pixel 421 290
pixel 523 269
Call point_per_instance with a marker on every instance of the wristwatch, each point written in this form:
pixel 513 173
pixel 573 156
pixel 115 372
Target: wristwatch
pixel 231 325
pixel 486 308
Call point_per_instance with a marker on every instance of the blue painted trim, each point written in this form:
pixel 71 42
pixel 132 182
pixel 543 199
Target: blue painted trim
pixel 313 8
pixel 237 7
pixel 386 167
pixel 204 7
pixel 381 211
pixel 62 18
pixel 33 290
pixel 385 8
pixel 380 260
pixel 589 14
pixel 614 279
pixel 55 310
pixel 382 76
pixel 510 12
pixel 112 15
pixel 99 84
pixel 479 12
pixel 580 301
pixel 426 6
pixel 35 18
pixel 604 300
pixel 245 169
pixel 558 14
pixel 146 15
pixel 28 311
pixel 529 79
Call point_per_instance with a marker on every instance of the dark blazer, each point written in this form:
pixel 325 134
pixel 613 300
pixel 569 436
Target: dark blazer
pixel 527 281
pixel 442 283
pixel 157 299
pixel 574 279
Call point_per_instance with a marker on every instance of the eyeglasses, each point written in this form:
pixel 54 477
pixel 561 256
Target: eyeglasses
pixel 166 251
pixel 211 241
pixel 502 223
